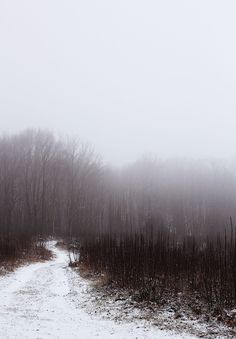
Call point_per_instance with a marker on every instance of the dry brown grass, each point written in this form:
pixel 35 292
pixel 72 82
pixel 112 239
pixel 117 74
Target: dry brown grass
pixel 37 254
pixel 84 271
pixel 103 280
pixel 97 279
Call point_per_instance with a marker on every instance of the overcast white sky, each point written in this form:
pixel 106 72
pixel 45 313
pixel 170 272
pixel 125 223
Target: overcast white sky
pixel 128 76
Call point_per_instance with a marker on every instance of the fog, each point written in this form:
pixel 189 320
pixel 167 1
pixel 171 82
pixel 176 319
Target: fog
pixel 130 77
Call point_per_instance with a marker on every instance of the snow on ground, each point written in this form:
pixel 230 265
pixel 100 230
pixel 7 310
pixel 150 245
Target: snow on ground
pixel 42 301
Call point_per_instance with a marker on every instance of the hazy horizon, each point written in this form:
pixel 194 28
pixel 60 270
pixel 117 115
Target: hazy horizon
pixel 129 77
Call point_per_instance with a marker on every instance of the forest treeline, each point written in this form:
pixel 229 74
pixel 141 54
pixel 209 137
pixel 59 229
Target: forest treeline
pixel 47 187
pixel 154 220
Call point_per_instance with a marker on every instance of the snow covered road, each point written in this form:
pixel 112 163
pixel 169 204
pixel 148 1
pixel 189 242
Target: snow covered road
pixel 42 301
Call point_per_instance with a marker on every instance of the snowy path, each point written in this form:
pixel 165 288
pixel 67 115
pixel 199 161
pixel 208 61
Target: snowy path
pixel 36 302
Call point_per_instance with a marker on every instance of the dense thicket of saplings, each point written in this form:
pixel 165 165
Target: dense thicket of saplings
pixel 158 266
pixel 155 226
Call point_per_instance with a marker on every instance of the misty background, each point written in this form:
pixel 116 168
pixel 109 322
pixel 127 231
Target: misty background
pixel 130 77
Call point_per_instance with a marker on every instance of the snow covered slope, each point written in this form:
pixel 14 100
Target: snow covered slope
pixel 36 302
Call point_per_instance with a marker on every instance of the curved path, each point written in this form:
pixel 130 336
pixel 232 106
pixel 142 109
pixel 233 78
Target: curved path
pixel 44 300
